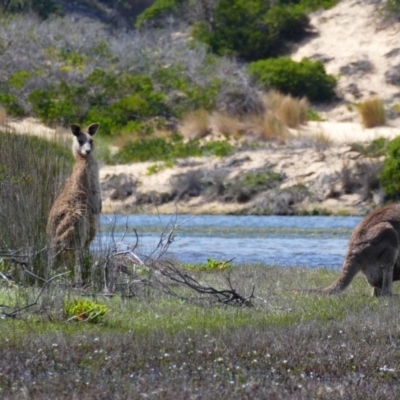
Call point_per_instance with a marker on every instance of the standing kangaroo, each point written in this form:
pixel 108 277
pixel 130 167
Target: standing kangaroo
pixel 74 217
pixel 373 248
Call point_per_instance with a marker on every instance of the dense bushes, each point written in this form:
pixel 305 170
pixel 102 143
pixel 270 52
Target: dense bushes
pixel 253 29
pixel 121 80
pixel 304 78
pixel 160 9
pixel 43 8
pixel 116 101
pixel 161 149
pixel 390 175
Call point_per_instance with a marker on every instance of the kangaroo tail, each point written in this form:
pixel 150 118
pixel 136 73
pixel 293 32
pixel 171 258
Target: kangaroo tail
pixel 349 271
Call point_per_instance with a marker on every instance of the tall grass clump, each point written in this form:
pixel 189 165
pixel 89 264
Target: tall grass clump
pixel 290 110
pixel 372 112
pixel 390 175
pixel 270 127
pixel 195 124
pixel 31 173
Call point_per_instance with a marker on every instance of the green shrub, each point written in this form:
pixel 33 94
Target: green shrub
pixel 116 101
pixel 159 9
pixel 392 7
pixel 377 148
pixel 43 8
pixel 212 265
pixel 253 29
pixel 305 78
pixel 390 175
pixel 161 149
pixel 85 310
pixel 192 95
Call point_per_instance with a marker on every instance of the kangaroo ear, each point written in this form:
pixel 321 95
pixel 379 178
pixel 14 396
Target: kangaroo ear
pixel 92 129
pixel 76 129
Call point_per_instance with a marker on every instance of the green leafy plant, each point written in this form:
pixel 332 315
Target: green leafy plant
pixel 253 29
pixel 305 78
pixel 85 310
pixel 153 169
pixel 312 115
pixel 159 9
pixel 162 149
pixel 376 148
pixel 390 175
pixel 212 265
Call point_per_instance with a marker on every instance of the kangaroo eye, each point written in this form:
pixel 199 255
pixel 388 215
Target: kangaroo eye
pixel 81 142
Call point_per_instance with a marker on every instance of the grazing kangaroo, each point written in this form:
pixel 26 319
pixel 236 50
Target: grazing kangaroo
pixel 373 248
pixel 74 217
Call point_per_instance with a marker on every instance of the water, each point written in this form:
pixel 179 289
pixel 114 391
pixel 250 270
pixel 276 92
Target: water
pixel 310 241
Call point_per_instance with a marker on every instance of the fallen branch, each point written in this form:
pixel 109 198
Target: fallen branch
pixel 13 313
pixel 225 296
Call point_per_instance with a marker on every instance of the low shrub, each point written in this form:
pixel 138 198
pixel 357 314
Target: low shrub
pixel 392 7
pixel 372 112
pixel 390 175
pixel 212 265
pixel 156 12
pixel 300 79
pixel 377 148
pixel 85 310
pixel 254 30
pixel 162 149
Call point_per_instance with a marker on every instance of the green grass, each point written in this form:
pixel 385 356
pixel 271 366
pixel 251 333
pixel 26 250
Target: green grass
pixel 161 347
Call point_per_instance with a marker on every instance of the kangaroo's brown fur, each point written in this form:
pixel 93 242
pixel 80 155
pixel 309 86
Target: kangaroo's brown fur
pixel 374 250
pixel 74 217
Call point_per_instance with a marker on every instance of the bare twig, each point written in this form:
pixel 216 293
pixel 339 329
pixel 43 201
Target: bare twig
pixel 226 296
pixel 13 313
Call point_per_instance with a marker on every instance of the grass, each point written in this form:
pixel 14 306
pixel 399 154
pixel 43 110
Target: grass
pixel 195 124
pixel 372 112
pixel 290 110
pixel 290 344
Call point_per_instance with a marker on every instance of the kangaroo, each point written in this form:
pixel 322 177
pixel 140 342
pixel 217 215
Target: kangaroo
pixel 373 248
pixel 74 217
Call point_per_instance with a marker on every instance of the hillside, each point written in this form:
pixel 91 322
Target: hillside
pixel 360 48
pixel 321 167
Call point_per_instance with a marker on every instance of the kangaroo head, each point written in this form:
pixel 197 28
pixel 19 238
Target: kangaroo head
pixel 82 144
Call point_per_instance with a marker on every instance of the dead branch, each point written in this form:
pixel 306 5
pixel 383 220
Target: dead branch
pixel 13 313
pixel 228 296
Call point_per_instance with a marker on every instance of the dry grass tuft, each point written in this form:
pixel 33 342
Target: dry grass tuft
pixel 270 127
pixel 291 111
pixel 223 123
pixel 372 112
pixel 195 124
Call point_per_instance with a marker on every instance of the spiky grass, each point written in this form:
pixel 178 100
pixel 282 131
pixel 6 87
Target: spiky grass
pixel 290 110
pixel 225 124
pixel 372 112
pixel 32 170
pixel 270 127
pixel 195 124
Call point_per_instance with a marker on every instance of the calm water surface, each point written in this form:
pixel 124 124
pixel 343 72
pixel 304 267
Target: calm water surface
pixel 316 241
